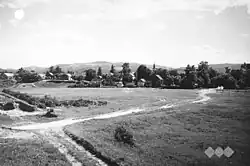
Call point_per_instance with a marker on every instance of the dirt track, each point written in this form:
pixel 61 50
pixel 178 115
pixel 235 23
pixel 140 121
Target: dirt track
pixel 53 132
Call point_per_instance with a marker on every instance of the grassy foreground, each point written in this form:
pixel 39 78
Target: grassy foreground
pixel 163 137
pixel 21 152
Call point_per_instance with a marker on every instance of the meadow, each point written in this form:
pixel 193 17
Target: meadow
pixel 178 135
pixel 171 129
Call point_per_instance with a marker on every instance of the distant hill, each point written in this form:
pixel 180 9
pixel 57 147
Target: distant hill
pixel 218 67
pixel 81 67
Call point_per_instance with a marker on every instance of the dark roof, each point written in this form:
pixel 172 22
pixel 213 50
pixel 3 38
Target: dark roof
pixel 159 77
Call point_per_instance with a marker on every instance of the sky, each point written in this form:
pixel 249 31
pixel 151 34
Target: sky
pixel 172 33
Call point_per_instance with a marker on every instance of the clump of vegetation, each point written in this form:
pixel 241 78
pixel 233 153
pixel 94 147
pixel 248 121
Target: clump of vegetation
pixel 9 106
pixel 48 101
pixel 26 107
pixel 50 114
pixel 6 83
pixel 123 135
pixel 82 103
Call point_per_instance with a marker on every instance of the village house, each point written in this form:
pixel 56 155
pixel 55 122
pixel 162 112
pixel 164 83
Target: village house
pixel 7 76
pixel 64 76
pixel 119 84
pixel 49 75
pixel 42 76
pixel 141 82
pixel 157 81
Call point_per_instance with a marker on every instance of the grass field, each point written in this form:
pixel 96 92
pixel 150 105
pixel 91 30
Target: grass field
pixel 171 138
pixel 118 99
pixel 30 152
pixel 163 136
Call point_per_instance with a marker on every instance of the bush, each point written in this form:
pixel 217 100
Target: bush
pixel 122 135
pixel 46 101
pixel 26 107
pixel 9 106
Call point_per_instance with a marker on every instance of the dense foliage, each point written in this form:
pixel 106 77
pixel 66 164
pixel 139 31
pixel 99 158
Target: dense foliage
pixel 202 76
pixel 25 76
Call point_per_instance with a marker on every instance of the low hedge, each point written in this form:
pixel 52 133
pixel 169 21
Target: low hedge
pixel 82 103
pixel 9 106
pixel 43 102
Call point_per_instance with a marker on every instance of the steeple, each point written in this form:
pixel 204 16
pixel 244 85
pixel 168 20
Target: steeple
pixel 154 66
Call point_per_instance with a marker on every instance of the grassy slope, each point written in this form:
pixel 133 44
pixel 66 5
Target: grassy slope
pixel 30 153
pixel 179 138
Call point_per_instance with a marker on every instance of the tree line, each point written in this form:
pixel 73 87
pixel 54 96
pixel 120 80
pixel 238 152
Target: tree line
pixel 203 76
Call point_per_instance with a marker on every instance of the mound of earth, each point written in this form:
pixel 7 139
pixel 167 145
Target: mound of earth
pixel 26 85
pixel 50 114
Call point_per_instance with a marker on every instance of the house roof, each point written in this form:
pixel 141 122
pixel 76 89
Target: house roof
pixel 68 74
pixel 142 80
pixel 9 74
pixel 41 74
pixel 159 77
pixel 132 74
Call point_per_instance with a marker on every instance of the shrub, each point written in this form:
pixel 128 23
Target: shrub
pixel 122 135
pixel 26 107
pixel 8 106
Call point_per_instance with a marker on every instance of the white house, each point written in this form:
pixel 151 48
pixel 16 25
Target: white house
pixel 43 76
pixel 120 84
pixel 69 76
pixel 141 82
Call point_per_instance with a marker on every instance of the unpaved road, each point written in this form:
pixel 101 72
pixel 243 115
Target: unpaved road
pixel 53 132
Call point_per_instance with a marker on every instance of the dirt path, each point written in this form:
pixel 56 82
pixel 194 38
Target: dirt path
pixel 53 132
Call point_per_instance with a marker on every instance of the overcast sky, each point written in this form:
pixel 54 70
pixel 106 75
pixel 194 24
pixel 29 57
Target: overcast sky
pixel 169 32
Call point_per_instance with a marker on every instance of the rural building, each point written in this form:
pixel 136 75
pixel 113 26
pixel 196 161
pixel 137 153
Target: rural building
pixel 119 84
pixel 141 82
pixel 42 76
pixel 157 81
pixel 49 75
pixel 132 75
pixel 130 84
pixel 7 76
pixel 64 76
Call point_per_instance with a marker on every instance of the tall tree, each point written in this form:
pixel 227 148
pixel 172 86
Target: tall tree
pixel 99 71
pixel 143 72
pixel 203 74
pixel 58 70
pixel 173 72
pixel 112 70
pixel 190 78
pixel 51 69
pixel 126 69
pixel 90 74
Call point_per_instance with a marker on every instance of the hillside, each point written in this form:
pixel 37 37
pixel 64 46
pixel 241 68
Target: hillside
pixel 218 67
pixel 81 67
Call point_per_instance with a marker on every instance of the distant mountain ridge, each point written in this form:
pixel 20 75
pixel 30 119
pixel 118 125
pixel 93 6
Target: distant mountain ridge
pixel 218 67
pixel 81 67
